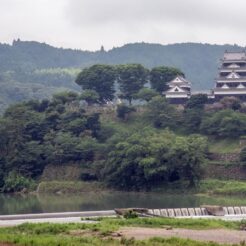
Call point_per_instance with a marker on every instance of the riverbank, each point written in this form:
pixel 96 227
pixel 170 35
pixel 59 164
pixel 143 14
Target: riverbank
pixel 206 187
pixel 128 232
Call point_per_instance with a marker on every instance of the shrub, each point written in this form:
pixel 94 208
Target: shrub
pixel 15 182
pixel 123 111
pixel 130 214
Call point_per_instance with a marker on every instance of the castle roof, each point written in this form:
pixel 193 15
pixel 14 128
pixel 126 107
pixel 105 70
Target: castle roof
pixel 179 80
pixel 234 56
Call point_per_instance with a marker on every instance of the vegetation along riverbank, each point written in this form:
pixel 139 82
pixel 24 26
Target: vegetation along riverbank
pixel 128 146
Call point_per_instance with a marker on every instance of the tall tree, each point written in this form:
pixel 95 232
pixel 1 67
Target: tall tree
pixel 100 78
pixel 131 79
pixel 160 76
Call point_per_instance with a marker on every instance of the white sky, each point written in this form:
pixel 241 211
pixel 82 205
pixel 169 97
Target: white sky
pixel 88 24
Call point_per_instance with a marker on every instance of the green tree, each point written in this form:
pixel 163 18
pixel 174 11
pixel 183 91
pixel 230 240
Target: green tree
pixel 194 112
pixel 161 113
pixel 131 79
pixel 146 159
pixel 231 103
pixel 90 96
pixel 146 94
pixel 160 76
pixel 123 111
pixel 197 101
pixel 65 97
pixel 100 78
pixel 192 119
pixel 225 123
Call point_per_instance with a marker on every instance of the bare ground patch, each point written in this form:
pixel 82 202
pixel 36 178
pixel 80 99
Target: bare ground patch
pixel 217 235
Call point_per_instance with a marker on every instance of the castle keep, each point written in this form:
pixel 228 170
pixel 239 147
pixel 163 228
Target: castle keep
pixel 231 80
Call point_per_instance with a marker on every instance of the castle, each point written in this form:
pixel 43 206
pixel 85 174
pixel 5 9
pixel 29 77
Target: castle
pixel 231 81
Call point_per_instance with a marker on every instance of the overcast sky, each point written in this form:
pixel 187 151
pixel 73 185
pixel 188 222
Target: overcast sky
pixel 88 24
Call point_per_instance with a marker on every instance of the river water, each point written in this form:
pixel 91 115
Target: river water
pixel 19 203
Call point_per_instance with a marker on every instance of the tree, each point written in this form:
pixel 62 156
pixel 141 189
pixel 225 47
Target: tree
pixel 231 103
pixel 192 120
pixel 131 79
pixel 161 113
pixel 197 101
pixel 100 78
pixel 123 111
pixel 146 94
pixel 160 76
pixel 225 123
pixel 194 112
pixel 146 159
pixel 65 97
pixel 90 96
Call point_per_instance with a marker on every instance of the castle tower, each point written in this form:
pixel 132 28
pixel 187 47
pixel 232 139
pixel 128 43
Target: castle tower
pixel 232 76
pixel 179 90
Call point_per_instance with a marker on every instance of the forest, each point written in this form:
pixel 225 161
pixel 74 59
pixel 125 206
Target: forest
pixel 125 145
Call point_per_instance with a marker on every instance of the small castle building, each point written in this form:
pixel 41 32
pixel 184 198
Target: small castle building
pixel 179 90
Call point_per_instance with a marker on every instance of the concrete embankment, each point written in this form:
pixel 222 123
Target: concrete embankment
pixel 224 213
pixel 59 215
pixel 67 217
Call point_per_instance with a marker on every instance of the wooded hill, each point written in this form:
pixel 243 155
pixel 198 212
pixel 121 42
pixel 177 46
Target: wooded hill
pixel 36 70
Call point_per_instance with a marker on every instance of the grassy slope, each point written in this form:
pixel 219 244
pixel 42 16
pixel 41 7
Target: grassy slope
pixel 137 121
pixel 69 186
pixel 222 187
pixel 224 146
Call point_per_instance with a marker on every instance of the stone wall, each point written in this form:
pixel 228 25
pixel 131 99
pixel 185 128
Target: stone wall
pixel 61 172
pixel 220 171
pixel 228 157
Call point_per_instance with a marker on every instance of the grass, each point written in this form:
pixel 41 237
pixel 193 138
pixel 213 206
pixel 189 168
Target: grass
pixel 224 146
pixel 206 186
pixel 172 222
pixel 222 187
pixel 101 233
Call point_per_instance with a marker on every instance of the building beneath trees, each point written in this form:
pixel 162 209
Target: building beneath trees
pixel 179 90
pixel 231 80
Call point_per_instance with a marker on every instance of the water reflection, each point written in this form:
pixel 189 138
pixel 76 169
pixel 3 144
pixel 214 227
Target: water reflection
pixel 17 203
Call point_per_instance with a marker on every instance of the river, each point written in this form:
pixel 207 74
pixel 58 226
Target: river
pixel 32 203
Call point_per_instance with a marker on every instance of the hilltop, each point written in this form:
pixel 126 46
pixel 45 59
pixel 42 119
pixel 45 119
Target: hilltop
pixel 31 69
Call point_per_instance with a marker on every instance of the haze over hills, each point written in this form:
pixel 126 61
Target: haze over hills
pixel 36 70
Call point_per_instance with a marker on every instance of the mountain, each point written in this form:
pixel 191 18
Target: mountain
pixel 31 69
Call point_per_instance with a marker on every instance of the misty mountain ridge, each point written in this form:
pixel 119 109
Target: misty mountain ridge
pixel 29 69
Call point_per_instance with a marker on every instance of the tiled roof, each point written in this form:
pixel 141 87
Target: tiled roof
pixel 179 80
pixel 234 56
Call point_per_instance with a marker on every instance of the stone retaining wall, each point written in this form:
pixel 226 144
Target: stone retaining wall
pixel 220 171
pixel 226 157
pixel 70 172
